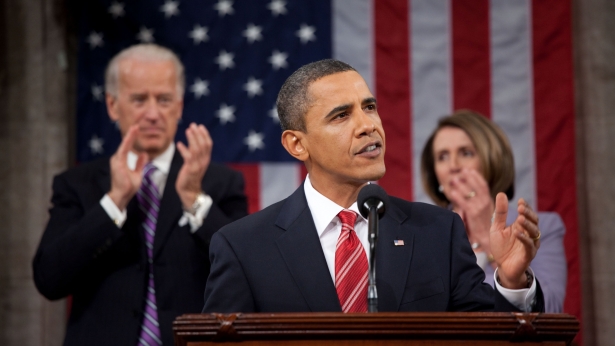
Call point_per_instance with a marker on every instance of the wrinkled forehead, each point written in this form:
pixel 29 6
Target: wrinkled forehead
pixel 147 74
pixel 337 89
pixel 132 65
pixel 341 81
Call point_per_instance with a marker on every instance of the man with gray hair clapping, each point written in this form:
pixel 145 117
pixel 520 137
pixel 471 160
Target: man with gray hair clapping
pixel 128 237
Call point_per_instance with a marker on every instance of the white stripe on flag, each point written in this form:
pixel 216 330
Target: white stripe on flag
pixel 431 75
pixel 512 88
pixel 353 36
pixel 278 181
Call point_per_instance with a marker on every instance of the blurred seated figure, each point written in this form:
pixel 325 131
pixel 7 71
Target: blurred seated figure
pixel 466 162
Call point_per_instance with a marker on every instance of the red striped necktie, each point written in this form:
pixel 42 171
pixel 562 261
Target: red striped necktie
pixel 350 266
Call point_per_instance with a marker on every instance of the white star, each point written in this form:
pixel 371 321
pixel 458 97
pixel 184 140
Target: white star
pixel 306 33
pixel 146 35
pixel 170 8
pixel 95 39
pixel 253 87
pixel 253 33
pixel 277 7
pixel 278 59
pixel 199 34
pixel 254 140
pixel 116 9
pixel 200 88
pixel 97 92
pixel 224 7
pixel 273 114
pixel 226 114
pixel 96 144
pixel 225 60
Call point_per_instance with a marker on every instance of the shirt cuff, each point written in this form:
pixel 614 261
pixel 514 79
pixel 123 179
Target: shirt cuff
pixel 523 299
pixel 196 220
pixel 118 216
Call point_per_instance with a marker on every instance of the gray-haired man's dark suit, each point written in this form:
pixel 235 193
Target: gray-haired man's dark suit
pixel 83 254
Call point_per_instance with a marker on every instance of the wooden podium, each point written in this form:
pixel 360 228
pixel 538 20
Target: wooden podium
pixel 324 329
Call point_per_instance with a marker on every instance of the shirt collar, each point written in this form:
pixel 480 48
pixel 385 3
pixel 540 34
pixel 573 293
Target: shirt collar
pixel 162 161
pixel 324 211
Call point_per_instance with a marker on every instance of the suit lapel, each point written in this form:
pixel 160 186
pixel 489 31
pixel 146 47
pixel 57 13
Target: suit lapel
pixel 302 252
pixel 170 206
pixel 392 261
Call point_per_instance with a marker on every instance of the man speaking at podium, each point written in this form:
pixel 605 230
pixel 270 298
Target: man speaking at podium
pixel 309 251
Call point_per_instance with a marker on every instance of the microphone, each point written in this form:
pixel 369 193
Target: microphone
pixel 372 203
pixel 372 195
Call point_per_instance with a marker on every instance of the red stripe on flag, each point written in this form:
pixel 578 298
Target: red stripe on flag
pixel 554 124
pixel 393 93
pixel 251 176
pixel 471 56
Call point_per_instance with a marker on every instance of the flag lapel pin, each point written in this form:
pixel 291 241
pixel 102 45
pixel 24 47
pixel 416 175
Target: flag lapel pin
pixel 398 242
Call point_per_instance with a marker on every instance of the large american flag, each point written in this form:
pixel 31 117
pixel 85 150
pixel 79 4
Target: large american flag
pixel 511 60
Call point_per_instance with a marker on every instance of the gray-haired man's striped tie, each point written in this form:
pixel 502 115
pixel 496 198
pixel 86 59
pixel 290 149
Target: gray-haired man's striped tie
pixel 149 204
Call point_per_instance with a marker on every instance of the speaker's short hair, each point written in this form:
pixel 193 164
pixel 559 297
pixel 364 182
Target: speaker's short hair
pixel 294 98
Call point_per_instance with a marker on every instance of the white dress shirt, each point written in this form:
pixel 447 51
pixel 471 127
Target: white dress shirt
pixel 328 226
pixel 159 178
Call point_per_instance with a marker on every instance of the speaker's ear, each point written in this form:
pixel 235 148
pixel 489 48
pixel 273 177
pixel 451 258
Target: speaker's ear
pixel 293 142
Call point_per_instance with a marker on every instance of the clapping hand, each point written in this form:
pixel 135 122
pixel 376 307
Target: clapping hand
pixel 469 193
pixel 126 182
pixel 514 247
pixel 197 156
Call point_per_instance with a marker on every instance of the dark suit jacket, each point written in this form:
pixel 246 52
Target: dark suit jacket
pixel 84 254
pixel 272 261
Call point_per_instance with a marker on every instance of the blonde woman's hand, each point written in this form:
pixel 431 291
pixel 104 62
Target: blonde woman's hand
pixel 471 198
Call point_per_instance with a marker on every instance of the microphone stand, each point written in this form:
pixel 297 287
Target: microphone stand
pixel 372 292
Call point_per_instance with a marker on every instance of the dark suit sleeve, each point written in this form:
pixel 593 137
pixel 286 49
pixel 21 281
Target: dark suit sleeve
pixel 468 291
pixel 73 241
pixel 227 289
pixel 229 203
